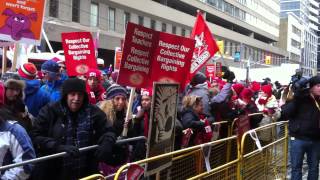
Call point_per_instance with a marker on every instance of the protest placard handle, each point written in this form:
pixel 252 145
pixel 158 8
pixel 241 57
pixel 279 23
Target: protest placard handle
pixel 129 113
pixel 15 57
pixel 4 60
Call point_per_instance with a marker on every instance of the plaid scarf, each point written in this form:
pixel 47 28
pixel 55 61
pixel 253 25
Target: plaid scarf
pixel 78 132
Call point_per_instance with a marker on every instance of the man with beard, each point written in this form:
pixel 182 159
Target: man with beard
pixel 66 126
pixel 13 101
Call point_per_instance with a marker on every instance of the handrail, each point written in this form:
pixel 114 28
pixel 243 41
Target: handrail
pixel 52 156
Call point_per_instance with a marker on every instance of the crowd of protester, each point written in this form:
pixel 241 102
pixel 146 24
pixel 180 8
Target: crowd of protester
pixel 43 112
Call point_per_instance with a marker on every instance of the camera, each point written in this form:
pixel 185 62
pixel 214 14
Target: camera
pixel 299 82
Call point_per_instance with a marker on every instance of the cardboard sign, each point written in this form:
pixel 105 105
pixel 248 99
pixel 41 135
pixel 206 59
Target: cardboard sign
pixel 79 52
pixel 150 56
pixel 117 58
pixel 210 69
pixel 21 20
pixel 161 125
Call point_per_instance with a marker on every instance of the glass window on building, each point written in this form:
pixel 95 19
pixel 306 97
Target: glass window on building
pixel 174 30
pixel 183 32
pixel 94 14
pixel 53 8
pixel 127 18
pixel 153 24
pixel 140 20
pixel 75 10
pixel 295 43
pixel 296 31
pixel 112 19
pixel 164 27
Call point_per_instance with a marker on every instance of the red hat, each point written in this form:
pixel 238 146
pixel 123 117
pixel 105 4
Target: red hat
pixel 28 71
pixel 267 89
pixel 146 92
pixel 255 86
pixel 238 88
pixel 246 93
pixel 94 73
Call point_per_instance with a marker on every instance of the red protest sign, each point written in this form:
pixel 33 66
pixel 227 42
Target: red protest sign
pixel 150 56
pixel 210 69
pixel 21 21
pixel 172 59
pixel 117 58
pixel 79 52
pixel 218 69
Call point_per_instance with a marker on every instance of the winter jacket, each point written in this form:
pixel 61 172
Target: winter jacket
pixel 202 91
pixel 36 98
pixel 51 129
pixel 304 118
pixel 16 147
pixel 54 90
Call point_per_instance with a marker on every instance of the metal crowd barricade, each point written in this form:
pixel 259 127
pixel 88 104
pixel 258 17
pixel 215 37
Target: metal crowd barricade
pixel 189 162
pixel 44 158
pixel 267 160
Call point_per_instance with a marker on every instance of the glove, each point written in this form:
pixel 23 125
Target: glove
pixel 104 150
pixel 70 150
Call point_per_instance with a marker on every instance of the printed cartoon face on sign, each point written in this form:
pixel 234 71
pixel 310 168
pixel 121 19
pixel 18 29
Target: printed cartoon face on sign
pixel 18 25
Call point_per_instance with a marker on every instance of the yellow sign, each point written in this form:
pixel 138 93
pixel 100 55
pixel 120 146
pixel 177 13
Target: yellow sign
pixel 221 46
pixel 268 60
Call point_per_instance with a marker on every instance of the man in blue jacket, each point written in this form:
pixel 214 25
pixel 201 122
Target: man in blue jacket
pixel 35 98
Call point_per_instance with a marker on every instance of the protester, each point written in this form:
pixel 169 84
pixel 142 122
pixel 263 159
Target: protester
pixel 12 92
pixel 66 126
pixel 194 118
pixel 303 113
pixel 95 89
pixel 53 82
pixel 16 147
pixel 35 98
pixel 115 107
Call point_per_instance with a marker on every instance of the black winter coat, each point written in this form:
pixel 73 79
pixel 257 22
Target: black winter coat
pixel 304 118
pixel 49 132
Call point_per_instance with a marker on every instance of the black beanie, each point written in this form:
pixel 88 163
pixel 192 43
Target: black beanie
pixel 198 78
pixel 314 81
pixel 73 85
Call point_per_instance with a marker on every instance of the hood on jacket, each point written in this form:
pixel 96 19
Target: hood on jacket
pixel 201 86
pixel 32 86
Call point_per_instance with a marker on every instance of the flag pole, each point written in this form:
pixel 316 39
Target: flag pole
pixel 4 60
pixel 15 57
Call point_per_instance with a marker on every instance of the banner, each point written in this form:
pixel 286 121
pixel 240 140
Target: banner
pixel 150 56
pixel 21 21
pixel 205 46
pixel 210 69
pixel 117 58
pixel 79 52
pixel 161 125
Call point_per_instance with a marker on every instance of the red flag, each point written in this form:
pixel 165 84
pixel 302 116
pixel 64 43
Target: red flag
pixel 205 46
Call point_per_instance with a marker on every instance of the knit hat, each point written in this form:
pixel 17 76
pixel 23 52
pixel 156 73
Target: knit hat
pixel 146 92
pixel 238 88
pixel 255 86
pixel 246 93
pixel 94 73
pixel 116 90
pixel 198 78
pixel 267 89
pixel 50 66
pixel 314 81
pixel 14 81
pixel 57 60
pixel 28 71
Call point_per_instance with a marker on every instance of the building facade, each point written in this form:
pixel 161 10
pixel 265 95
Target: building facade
pixel 247 26
pixel 291 34
pixel 308 12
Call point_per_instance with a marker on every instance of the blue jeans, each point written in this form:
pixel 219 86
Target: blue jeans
pixel 297 150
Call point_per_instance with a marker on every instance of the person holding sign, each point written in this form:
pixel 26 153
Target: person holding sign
pixel 115 107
